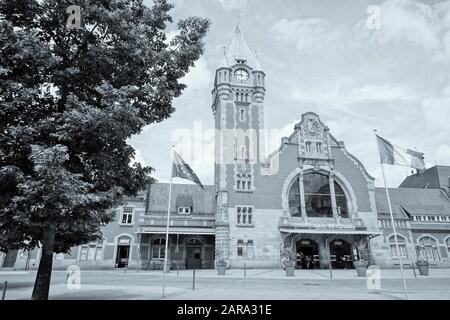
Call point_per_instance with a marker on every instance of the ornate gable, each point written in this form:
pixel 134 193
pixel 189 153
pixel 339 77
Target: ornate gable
pixel 313 138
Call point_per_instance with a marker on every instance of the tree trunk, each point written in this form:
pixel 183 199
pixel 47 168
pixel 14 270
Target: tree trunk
pixel 42 284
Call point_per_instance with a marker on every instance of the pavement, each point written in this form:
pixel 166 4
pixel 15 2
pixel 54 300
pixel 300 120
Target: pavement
pixel 237 284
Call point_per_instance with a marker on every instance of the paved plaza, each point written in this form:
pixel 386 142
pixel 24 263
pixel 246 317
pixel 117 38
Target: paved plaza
pixel 256 284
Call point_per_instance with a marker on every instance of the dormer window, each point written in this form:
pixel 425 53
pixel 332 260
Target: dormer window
pixel 184 210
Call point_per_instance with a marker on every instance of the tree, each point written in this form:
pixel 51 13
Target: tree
pixel 70 99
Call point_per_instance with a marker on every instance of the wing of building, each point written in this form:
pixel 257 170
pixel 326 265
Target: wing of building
pixel 309 200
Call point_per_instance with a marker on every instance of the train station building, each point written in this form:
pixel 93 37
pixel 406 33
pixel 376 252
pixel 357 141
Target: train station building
pixel 310 200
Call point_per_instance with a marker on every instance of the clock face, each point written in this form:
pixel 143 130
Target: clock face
pixel 241 75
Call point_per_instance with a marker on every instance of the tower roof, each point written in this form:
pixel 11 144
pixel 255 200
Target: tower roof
pixel 239 50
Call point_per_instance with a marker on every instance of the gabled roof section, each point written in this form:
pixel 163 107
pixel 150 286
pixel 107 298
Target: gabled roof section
pixel 411 201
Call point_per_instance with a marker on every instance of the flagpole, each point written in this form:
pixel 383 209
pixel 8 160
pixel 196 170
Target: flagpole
pixel 166 253
pixel 392 222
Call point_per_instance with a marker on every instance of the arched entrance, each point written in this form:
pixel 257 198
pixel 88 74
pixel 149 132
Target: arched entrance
pixel 341 254
pixel 307 252
pixel 123 251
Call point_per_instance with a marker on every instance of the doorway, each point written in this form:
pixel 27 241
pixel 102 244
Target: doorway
pixel 307 252
pixel 341 254
pixel 10 259
pixel 193 257
pixel 123 254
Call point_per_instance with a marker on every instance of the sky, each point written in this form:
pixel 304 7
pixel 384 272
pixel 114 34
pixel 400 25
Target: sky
pixel 361 65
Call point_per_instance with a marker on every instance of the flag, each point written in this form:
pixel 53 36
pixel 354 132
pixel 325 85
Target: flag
pixel 395 155
pixel 182 170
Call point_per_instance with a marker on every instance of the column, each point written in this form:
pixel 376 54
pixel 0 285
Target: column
pixel 302 196
pixel 333 197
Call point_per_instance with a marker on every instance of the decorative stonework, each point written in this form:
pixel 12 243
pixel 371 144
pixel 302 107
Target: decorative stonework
pixel 311 126
pixel 243 167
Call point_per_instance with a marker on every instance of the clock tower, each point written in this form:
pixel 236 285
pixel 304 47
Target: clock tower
pixel 238 109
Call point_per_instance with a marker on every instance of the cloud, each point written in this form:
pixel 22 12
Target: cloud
pixel 232 4
pixel 309 35
pixel 381 92
pixel 199 77
pixel 443 154
pixel 417 23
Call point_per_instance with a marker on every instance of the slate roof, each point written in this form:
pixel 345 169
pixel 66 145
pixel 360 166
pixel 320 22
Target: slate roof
pixel 187 195
pixel 414 201
pixel 433 178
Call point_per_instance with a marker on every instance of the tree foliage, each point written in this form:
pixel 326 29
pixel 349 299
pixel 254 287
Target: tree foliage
pixel 70 99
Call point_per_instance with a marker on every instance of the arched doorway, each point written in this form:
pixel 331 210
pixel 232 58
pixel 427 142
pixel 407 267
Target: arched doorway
pixel 123 251
pixel 341 254
pixel 307 252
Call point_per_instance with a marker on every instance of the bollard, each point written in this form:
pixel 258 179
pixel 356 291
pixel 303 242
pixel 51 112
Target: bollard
pixel 4 290
pixel 193 279
pixel 414 270
pixel 245 271
pixel 331 270
pixel 178 269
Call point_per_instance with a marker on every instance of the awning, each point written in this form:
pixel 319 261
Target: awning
pixel 350 232
pixel 176 230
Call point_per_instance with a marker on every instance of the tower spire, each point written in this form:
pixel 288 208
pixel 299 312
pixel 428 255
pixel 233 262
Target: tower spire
pixel 239 51
pixel 238 20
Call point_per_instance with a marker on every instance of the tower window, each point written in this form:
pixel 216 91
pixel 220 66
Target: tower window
pixel 242 115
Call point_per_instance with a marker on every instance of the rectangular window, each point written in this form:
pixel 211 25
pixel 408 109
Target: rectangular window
pixel 92 251
pixel 240 248
pixel 402 249
pixel 244 215
pixel 83 255
pixel 244 182
pixel 127 215
pixel 98 253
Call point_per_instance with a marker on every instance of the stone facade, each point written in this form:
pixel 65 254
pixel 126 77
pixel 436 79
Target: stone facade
pixel 310 200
